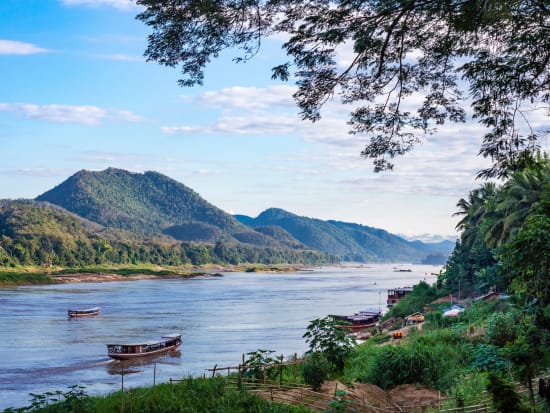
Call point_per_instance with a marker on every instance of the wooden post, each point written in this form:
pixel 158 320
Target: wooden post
pixel 281 371
pixel 214 370
pixel 239 379
pixel 122 388
pixel 154 380
pixel 294 366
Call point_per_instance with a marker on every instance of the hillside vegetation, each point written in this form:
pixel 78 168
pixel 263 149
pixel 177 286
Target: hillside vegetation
pixel 119 217
pixel 350 242
pixel 148 203
pixel 39 234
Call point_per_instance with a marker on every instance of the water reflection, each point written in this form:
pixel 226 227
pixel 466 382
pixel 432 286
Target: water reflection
pixel 124 367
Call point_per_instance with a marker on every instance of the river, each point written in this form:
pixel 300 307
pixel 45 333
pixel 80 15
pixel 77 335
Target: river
pixel 220 318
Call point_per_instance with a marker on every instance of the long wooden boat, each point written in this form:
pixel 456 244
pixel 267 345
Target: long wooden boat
pixel 359 321
pixel 134 350
pixel 85 312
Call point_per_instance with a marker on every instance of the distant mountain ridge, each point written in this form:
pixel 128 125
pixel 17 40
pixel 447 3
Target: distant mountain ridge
pixel 150 204
pixel 350 242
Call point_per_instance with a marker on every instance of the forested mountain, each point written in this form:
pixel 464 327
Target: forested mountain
pixel 41 234
pixel 150 203
pixel 115 216
pixel 350 242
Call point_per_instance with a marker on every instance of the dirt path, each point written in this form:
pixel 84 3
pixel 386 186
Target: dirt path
pixel 361 397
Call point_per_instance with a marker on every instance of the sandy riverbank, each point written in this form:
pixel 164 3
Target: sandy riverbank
pixel 22 278
pixel 99 277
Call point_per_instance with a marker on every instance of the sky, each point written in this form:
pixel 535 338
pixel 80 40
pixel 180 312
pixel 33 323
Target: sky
pixel 76 93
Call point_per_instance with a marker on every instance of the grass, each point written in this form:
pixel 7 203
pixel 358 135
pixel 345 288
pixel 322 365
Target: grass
pixel 12 278
pixel 192 395
pixel 39 275
pixel 36 275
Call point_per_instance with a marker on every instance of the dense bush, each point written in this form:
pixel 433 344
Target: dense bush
pixel 328 337
pixel 432 358
pixel 502 328
pixel 315 370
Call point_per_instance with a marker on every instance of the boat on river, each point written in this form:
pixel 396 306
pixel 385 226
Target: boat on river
pixel 85 312
pixel 359 321
pixel 130 351
pixel 396 294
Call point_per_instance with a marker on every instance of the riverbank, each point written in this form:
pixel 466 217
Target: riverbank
pixel 40 276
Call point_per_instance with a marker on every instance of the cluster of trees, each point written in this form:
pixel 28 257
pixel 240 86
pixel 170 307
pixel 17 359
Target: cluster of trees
pixel 38 234
pixel 504 243
pixel 505 246
pixel 44 250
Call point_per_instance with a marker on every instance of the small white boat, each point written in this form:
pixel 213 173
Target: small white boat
pixel 85 312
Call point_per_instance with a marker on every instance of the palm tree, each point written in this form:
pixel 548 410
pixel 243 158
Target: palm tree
pixel 474 210
pixel 517 199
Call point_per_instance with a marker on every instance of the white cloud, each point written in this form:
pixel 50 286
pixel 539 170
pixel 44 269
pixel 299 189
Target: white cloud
pixel 443 165
pixel 11 47
pixel 122 57
pixel 118 4
pixel 251 98
pixel 429 238
pixel 87 115
pixel 37 172
pixel 242 125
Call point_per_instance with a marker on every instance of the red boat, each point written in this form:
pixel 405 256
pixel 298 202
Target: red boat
pixel 360 320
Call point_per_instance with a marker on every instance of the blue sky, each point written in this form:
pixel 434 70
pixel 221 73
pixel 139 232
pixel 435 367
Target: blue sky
pixel 76 93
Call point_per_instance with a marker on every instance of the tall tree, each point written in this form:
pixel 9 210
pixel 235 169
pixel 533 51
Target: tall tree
pixel 518 198
pixel 527 257
pixel 402 49
pixel 473 210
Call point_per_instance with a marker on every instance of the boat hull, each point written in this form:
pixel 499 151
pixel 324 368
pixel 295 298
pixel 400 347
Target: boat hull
pixel 119 356
pixel 89 312
pixel 359 321
pixel 358 327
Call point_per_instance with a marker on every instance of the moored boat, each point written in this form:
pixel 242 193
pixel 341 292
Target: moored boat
pixel 359 321
pixel 396 294
pixel 134 350
pixel 85 312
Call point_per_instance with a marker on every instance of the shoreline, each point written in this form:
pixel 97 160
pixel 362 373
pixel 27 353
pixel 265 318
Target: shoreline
pixel 26 277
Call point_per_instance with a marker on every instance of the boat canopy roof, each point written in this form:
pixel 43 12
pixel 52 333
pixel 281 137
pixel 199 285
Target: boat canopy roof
pixel 148 343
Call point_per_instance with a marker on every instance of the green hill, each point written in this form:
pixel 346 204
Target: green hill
pixel 37 233
pixel 350 242
pixel 149 203
pixel 143 207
